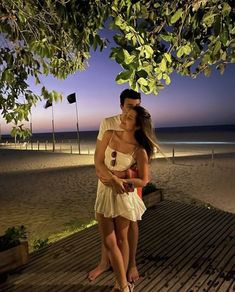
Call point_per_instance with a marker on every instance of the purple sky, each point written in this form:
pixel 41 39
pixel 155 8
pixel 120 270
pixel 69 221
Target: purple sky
pixel 185 102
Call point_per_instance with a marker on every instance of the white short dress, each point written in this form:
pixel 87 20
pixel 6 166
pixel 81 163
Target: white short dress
pixel 108 202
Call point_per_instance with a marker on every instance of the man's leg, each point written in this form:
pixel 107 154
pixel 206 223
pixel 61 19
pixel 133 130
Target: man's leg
pixel 103 265
pixel 133 236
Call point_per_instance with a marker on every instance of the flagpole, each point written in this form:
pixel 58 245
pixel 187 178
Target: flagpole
pixel 78 138
pixel 53 128
pixel 31 129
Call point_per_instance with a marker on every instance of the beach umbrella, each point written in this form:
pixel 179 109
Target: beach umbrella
pixel 72 99
pixel 48 104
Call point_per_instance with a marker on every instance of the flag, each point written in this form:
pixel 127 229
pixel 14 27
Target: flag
pixel 48 104
pixel 71 98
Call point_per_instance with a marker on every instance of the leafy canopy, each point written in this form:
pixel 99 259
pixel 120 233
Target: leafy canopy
pixel 152 40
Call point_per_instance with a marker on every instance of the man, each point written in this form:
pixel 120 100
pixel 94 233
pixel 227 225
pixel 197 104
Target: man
pixel 128 99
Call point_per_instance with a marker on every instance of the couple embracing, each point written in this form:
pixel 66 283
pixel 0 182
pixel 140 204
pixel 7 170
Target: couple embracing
pixel 124 148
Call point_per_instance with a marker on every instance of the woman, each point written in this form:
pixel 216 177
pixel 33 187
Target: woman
pixel 115 206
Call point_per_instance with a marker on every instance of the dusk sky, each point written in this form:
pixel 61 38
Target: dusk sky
pixel 185 102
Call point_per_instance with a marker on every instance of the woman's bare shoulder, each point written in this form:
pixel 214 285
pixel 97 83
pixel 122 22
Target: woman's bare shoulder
pixel 141 152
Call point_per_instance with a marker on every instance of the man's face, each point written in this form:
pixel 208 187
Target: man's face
pixel 129 104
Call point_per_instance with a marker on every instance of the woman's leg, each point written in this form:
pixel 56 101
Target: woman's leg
pixel 106 226
pixel 121 229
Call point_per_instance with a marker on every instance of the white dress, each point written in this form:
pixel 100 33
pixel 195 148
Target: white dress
pixel 108 202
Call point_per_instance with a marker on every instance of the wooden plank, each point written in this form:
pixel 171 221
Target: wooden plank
pixel 173 237
pixel 204 264
pixel 219 273
pixel 208 264
pixel 229 279
pixel 162 271
pixel 169 244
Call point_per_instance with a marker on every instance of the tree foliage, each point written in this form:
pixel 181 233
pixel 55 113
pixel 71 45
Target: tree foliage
pixel 152 40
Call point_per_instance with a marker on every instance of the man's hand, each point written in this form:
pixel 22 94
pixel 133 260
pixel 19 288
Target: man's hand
pixel 109 181
pixel 118 185
pixel 106 181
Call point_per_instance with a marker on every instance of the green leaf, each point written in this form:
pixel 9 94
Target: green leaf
pixel 167 79
pixel 188 64
pixel 224 36
pixel 142 73
pixel 127 57
pixel 208 18
pixel 187 49
pixel 177 15
pixel 142 81
pixel 7 76
pixel 207 71
pixel 166 37
pixel 226 9
pixel 162 65
pixel 224 56
pixel 217 25
pixel 118 21
pixel 119 57
pixel 123 77
pixel 159 76
pixel 232 31
pixel 167 57
pixel 196 49
pixel 129 35
pixel 148 51
pixel 206 59
pixel 145 89
pixel 216 48
pixel 221 68
pixel 156 5
pixel 180 52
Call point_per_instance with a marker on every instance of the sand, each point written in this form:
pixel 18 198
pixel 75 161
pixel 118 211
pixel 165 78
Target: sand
pixel 50 192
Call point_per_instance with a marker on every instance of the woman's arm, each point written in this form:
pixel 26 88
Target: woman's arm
pixel 142 162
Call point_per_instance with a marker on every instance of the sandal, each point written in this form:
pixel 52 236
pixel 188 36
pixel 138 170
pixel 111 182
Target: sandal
pixel 129 286
pixel 116 287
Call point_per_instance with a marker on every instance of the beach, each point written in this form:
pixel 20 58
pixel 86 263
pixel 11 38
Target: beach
pixel 51 192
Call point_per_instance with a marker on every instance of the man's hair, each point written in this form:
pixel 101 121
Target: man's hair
pixel 129 93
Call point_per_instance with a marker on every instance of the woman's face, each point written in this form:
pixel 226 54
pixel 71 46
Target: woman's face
pixel 128 120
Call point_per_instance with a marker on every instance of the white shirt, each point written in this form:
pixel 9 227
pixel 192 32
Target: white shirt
pixel 111 123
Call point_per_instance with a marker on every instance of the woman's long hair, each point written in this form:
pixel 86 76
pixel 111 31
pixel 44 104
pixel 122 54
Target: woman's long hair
pixel 144 134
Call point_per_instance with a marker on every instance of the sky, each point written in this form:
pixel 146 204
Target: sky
pixel 185 102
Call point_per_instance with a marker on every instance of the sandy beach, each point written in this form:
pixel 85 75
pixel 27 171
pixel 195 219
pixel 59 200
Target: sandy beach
pixel 51 192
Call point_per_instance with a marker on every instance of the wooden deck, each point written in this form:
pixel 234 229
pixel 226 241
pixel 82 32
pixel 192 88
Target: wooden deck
pixel 181 248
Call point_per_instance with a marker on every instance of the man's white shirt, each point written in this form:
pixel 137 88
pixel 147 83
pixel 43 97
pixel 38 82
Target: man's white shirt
pixel 110 123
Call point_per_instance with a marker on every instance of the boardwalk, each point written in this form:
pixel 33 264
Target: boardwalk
pixel 181 248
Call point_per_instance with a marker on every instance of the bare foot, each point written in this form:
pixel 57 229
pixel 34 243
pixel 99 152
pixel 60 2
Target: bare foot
pixel 101 268
pixel 132 274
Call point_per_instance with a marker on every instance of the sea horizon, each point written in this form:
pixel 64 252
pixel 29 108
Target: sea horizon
pixel 209 134
pixel 194 138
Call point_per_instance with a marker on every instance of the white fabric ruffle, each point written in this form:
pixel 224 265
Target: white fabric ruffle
pixel 128 205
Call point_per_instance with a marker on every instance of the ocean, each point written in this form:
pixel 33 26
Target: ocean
pixel 196 136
